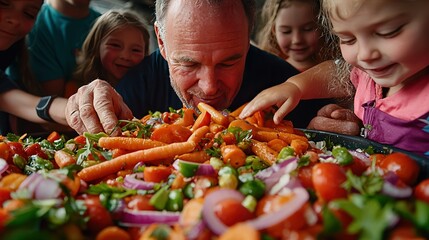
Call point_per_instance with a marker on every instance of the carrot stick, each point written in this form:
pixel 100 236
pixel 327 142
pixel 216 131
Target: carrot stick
pixel 299 146
pixel 237 111
pixel 267 155
pixel 62 158
pixel 128 143
pixel 129 160
pixel 242 124
pixel 187 119
pixel 277 144
pixel 216 116
pixel 266 136
pixel 198 134
pixel 199 157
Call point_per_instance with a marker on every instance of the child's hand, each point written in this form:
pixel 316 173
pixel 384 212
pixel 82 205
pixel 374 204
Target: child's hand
pixel 285 96
pixel 333 118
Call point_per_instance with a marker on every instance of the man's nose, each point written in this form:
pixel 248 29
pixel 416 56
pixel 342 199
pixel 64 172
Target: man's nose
pixel 207 81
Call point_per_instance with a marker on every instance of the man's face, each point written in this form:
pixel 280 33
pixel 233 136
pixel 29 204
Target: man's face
pixel 206 49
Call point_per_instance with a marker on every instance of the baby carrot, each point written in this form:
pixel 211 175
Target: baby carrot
pixel 233 155
pixel 237 111
pixel 198 156
pixel 187 119
pixel 216 116
pixel 261 149
pixel 277 144
pixel 198 134
pixel 63 158
pixel 129 160
pixel 266 136
pixel 128 143
pixel 240 231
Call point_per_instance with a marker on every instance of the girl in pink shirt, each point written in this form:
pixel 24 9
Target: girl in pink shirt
pixel 385 47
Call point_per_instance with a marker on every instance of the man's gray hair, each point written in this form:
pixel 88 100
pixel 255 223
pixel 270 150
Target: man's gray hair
pixel 161 7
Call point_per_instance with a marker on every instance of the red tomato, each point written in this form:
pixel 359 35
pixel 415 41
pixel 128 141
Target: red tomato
pixel 421 191
pixel 358 167
pixel 139 202
pixel 231 211
pixel 156 173
pixel 4 151
pixel 171 133
pixel 273 203
pixel 35 149
pixel 17 148
pixel 327 181
pixel 305 176
pixel 379 157
pixel 99 217
pixel 403 166
pixel 4 195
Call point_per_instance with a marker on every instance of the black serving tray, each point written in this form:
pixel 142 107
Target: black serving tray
pixel 355 142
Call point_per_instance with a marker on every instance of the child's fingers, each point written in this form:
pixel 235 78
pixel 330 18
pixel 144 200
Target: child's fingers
pixel 284 109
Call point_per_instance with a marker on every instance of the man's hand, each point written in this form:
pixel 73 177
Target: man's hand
pixel 333 118
pixel 96 107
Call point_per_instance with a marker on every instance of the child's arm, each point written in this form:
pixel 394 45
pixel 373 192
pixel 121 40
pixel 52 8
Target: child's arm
pixel 23 105
pixel 311 84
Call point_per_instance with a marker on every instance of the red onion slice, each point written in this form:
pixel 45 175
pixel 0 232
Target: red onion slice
pixel 133 181
pixel 31 182
pixel 47 189
pixel 272 175
pixel 264 221
pixel 211 200
pixel 135 218
pixel 3 166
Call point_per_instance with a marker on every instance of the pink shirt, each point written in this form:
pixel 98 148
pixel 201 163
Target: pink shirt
pixel 409 103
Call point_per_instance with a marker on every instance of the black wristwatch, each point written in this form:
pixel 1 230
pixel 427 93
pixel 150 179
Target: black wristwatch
pixel 43 106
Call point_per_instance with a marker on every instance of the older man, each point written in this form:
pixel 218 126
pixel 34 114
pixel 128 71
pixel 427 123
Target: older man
pixel 204 56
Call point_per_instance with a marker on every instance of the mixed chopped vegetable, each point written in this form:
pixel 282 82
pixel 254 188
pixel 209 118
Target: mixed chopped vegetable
pixel 179 175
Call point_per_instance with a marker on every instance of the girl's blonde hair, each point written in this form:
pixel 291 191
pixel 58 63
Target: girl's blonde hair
pixel 341 81
pixel 266 38
pixel 90 67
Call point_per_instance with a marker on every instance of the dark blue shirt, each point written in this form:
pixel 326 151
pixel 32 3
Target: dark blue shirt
pixel 147 87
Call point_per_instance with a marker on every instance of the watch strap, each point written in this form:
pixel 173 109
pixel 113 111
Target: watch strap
pixel 43 106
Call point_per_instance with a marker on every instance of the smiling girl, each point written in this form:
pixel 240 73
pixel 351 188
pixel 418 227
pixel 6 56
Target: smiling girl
pixel 118 41
pixel 385 47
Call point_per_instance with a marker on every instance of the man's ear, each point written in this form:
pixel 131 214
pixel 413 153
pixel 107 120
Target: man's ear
pixel 160 40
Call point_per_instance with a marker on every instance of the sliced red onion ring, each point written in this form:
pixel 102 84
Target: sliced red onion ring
pixel 31 182
pixel 133 181
pixel 3 166
pixel 47 189
pixel 142 218
pixel 391 189
pixel 271 175
pixel 264 221
pixel 364 157
pixel 211 200
pixel 195 231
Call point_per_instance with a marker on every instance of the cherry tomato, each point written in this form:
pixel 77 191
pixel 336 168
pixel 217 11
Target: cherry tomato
pixel 17 148
pixel 421 191
pixel 4 151
pixel 35 149
pixel 403 166
pixel 156 173
pixel 139 202
pixel 231 211
pixel 305 176
pixel 358 167
pixel 327 181
pixel 4 195
pixel 99 217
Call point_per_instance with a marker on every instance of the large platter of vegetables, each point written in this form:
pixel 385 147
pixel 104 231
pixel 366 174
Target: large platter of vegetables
pixel 183 175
